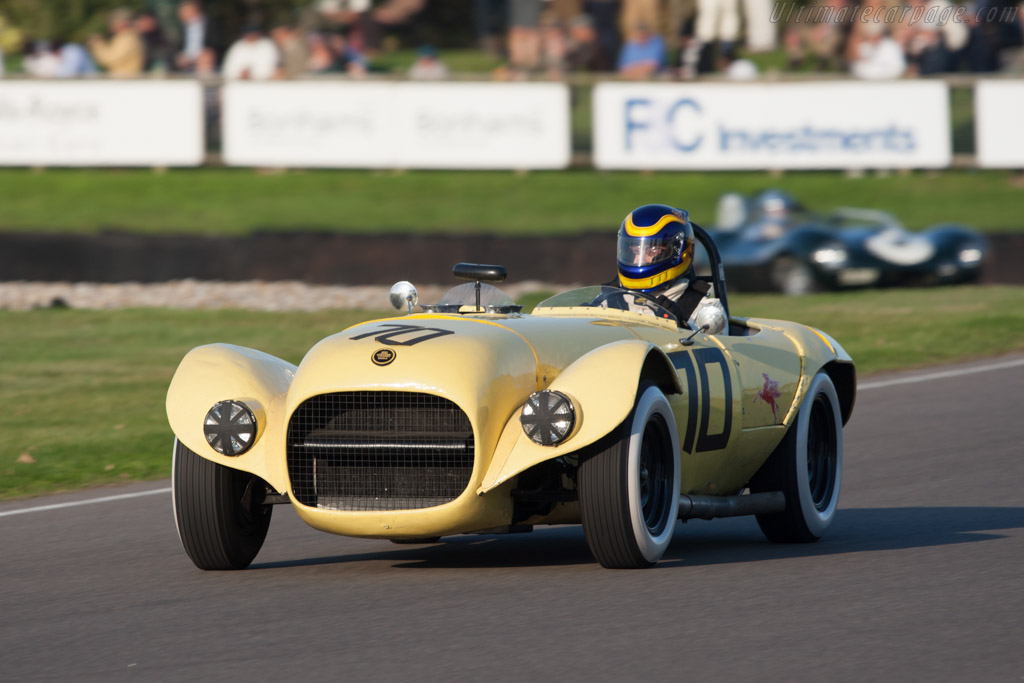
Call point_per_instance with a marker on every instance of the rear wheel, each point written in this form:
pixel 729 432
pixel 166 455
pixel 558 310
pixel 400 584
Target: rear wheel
pixel 629 491
pixel 807 466
pixel 221 518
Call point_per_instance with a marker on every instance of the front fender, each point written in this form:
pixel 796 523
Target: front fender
pixel 602 385
pixel 219 372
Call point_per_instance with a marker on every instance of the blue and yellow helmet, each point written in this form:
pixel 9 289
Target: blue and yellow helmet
pixel 655 246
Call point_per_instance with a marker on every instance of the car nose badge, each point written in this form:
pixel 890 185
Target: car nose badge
pixel 383 356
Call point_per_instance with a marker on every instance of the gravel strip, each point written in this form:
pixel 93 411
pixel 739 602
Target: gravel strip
pixel 251 295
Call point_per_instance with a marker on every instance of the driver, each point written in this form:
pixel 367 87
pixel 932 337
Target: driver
pixel 774 212
pixel 655 257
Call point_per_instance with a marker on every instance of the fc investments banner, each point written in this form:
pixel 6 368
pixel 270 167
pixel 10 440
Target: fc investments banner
pixel 841 125
pixel 101 123
pixel 339 124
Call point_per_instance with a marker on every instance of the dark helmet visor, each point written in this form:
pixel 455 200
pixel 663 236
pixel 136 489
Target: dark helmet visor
pixel 648 251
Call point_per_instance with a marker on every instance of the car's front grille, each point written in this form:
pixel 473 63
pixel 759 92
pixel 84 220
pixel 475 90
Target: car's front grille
pixel 378 450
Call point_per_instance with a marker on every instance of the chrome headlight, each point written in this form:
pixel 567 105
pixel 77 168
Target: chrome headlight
pixel 548 417
pixel 970 255
pixel 230 428
pixel 829 255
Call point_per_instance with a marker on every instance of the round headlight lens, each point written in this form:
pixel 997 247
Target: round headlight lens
pixel 830 255
pixel 548 417
pixel 230 428
pixel 970 255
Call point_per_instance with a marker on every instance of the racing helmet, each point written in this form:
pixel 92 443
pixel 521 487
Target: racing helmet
pixel 655 246
pixel 775 204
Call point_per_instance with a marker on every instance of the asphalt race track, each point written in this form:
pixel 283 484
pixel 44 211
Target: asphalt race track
pixel 922 579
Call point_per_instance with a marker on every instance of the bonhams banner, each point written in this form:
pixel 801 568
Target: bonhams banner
pixel 101 123
pixel 842 125
pixel 336 124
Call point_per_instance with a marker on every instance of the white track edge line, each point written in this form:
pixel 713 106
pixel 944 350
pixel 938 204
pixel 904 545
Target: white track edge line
pixel 940 375
pixel 76 503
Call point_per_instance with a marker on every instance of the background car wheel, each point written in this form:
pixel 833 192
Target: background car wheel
pixel 221 518
pixel 807 466
pixel 793 277
pixel 629 491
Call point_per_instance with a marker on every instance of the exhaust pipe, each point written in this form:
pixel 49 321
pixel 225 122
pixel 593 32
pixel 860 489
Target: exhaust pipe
pixel 709 507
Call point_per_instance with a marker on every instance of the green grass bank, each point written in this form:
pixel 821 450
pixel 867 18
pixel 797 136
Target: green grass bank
pixel 221 201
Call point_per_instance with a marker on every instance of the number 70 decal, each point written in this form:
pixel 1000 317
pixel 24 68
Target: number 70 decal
pixel 692 364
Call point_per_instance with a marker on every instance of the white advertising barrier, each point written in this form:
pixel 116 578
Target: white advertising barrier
pixel 396 125
pixel 101 123
pixel 783 126
pixel 999 123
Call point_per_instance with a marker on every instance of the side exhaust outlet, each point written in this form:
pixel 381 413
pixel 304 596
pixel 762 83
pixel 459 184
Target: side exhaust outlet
pixel 709 507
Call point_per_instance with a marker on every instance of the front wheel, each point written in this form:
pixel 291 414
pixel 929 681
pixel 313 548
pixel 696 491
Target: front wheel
pixel 807 466
pixel 221 518
pixel 629 492
pixel 793 277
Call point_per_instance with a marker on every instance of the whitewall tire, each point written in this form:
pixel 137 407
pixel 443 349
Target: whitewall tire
pixel 807 466
pixel 629 490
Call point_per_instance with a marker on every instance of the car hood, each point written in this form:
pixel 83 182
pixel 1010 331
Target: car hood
pixel 487 365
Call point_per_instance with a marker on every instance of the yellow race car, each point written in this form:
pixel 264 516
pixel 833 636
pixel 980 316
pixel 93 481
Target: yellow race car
pixel 599 408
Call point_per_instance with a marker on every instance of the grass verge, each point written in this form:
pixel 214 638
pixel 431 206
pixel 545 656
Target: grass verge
pixel 220 201
pixel 83 391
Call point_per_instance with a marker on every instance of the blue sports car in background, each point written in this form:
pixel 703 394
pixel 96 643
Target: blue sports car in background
pixel 770 242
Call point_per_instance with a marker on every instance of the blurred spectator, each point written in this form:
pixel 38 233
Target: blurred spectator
pixel 123 55
pixel 565 10
pixel 333 54
pixel 205 64
pixel 365 22
pixel 253 56
pixel 758 26
pixel 428 66
pixel 874 16
pixel 995 27
pixel 342 12
pixel 524 34
pixel 158 51
pixel 489 24
pixel 643 55
pixel 605 16
pixel 75 61
pixel 196 35
pixel 350 59
pixel 553 45
pixel 717 29
pixel 321 58
pixel 818 31
pixel 391 14
pixel 741 70
pixel 878 55
pixel 42 61
pixel 954 34
pixel 679 20
pixel 291 45
pixel 638 14
pixel 583 52
pixel 923 45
